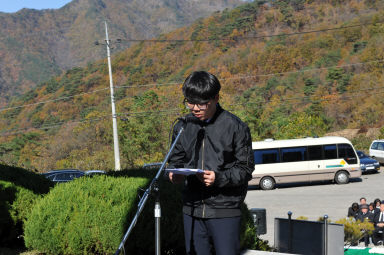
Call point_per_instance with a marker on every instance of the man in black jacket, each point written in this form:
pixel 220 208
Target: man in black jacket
pixel 378 221
pixel 219 143
pixel 362 216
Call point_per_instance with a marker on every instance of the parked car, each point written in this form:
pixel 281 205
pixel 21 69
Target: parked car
pixel 376 150
pixel 155 165
pixel 368 164
pixel 63 175
pixel 94 172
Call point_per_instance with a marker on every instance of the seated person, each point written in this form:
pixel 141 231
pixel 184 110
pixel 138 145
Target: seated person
pixel 362 216
pixel 353 210
pixel 377 203
pixel 378 221
pixel 372 211
pixel 363 201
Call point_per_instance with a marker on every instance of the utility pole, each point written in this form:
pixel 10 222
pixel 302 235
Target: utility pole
pixel 114 122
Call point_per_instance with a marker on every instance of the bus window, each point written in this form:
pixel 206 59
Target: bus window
pixel 330 151
pixel 347 153
pixel 315 152
pixel 266 156
pixel 293 154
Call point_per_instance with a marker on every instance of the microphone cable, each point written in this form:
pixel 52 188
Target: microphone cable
pixel 171 132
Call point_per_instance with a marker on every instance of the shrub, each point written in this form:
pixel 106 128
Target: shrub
pixel 91 215
pixel 321 219
pixel 381 133
pixel 83 216
pixel 19 189
pixel 361 142
pixel 355 230
pixel 248 238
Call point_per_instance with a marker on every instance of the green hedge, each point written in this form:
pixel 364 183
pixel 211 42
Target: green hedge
pixel 91 215
pixel 19 190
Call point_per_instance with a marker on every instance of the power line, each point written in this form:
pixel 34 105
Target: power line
pixel 246 37
pixel 176 111
pixel 329 98
pixel 187 40
pixel 53 125
pixel 151 85
pixel 60 124
pixel 52 100
pixel 199 40
pixel 180 82
pixel 258 75
pixel 63 31
pixel 344 95
pixel 206 40
pixel 129 114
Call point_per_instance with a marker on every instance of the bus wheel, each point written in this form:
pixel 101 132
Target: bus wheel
pixel 342 177
pixel 267 183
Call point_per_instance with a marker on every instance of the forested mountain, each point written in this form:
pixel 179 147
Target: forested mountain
pixel 288 69
pixel 35 45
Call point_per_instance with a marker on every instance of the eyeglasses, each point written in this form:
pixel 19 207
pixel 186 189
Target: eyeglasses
pixel 190 105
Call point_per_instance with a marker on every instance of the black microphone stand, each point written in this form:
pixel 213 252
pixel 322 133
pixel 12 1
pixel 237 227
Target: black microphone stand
pixel 152 189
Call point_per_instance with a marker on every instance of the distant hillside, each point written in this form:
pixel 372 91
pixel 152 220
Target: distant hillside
pixel 322 73
pixel 35 45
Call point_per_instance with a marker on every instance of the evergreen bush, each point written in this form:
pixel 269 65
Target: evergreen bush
pixel 19 190
pixel 302 218
pixel 91 215
pixel 84 216
pixel 354 230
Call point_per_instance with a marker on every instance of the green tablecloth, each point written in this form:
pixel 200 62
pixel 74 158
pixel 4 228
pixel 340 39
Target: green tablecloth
pixel 352 251
pixel 363 251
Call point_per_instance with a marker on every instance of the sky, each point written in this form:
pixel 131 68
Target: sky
pixel 15 5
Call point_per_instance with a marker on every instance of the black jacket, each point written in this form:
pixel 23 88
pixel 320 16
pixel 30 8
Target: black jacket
pixel 362 217
pixel 352 213
pixel 223 145
pixel 376 219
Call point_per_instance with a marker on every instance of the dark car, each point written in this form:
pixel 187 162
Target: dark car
pixel 64 175
pixel 368 164
pixel 155 165
pixel 94 172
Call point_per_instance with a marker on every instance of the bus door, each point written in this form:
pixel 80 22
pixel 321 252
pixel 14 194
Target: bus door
pixel 316 164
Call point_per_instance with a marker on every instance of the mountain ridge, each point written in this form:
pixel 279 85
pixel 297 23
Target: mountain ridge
pixel 37 44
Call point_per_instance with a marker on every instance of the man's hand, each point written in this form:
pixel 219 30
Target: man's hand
pixel 380 225
pixel 208 177
pixel 176 178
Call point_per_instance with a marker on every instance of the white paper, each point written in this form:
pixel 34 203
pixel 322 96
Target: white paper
pixel 184 171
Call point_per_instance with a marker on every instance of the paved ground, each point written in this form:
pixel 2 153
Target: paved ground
pixel 314 200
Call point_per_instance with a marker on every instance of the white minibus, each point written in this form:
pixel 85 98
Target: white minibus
pixel 304 160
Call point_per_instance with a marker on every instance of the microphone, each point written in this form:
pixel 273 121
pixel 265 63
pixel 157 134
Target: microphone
pixel 183 119
pixel 186 119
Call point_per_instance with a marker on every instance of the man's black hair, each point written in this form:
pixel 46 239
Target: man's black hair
pixel 200 87
pixel 363 198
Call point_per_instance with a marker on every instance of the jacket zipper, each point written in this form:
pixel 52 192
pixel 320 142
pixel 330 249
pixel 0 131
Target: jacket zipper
pixel 202 168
